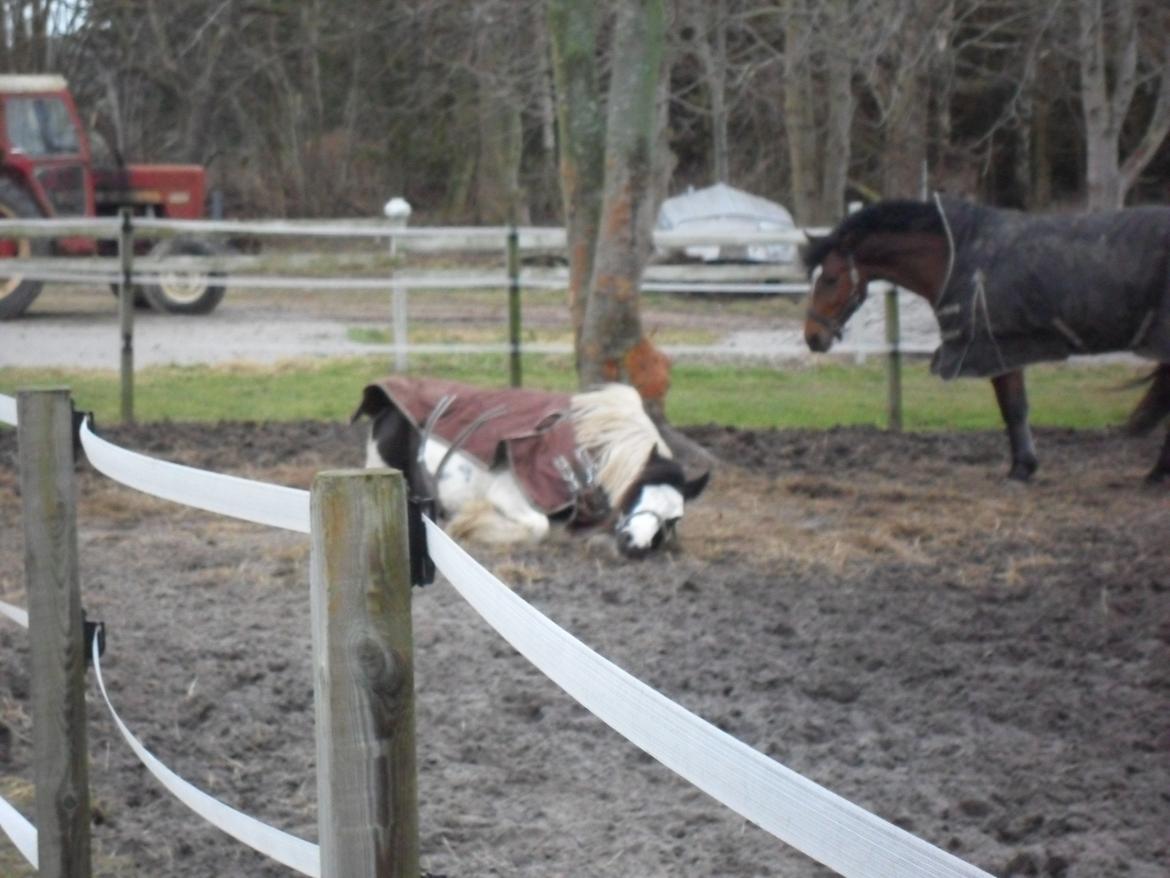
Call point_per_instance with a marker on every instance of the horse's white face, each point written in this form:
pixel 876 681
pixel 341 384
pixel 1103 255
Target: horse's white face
pixel 652 519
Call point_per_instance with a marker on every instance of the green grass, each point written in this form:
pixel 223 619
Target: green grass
pixel 820 395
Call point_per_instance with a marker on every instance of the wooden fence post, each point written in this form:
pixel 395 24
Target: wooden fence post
pixel 514 306
pixel 893 362
pixel 126 314
pixel 57 648
pixel 398 211
pixel 363 675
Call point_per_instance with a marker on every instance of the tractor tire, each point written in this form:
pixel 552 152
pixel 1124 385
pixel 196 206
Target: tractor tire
pixel 16 293
pixel 185 292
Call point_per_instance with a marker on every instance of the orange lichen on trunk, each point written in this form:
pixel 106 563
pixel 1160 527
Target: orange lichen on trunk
pixel 648 369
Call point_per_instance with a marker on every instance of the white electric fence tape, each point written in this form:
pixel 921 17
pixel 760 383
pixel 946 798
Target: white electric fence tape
pixel 809 817
pixel 296 853
pixel 273 505
pixel 8 409
pixel 14 824
pixel 19 615
pixel 22 833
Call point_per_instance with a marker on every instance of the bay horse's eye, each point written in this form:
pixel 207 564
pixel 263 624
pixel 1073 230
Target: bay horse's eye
pixel 828 279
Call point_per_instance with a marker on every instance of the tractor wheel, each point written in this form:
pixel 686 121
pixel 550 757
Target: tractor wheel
pixel 184 292
pixel 16 293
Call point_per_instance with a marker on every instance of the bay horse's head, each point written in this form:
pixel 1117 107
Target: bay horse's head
pixel 652 506
pixel 897 240
pixel 838 289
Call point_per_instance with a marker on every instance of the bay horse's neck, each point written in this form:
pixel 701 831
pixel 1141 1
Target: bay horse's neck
pixel 916 261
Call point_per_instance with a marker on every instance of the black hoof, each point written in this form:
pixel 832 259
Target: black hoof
pixel 1022 470
pixel 1157 476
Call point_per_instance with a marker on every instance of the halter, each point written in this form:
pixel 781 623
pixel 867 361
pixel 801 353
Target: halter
pixel 666 525
pixel 857 294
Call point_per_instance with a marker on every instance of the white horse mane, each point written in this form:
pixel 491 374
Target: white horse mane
pixel 612 425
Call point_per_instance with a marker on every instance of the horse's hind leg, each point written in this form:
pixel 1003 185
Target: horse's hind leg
pixel 1150 411
pixel 1161 470
pixel 1154 405
pixel 1012 397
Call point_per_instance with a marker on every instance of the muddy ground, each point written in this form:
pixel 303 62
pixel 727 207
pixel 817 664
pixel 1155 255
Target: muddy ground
pixel 983 664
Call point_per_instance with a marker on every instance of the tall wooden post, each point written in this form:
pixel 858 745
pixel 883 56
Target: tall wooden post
pixel 126 314
pixel 893 362
pixel 397 211
pixel 363 676
pixel 61 772
pixel 514 305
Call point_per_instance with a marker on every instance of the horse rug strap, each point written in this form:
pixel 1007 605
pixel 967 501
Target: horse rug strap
pixel 526 430
pixel 1029 288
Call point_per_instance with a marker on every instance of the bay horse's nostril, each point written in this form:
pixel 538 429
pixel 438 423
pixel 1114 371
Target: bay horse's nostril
pixel 817 341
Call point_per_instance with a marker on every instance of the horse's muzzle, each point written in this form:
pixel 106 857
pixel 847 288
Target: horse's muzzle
pixel 819 340
pixel 628 548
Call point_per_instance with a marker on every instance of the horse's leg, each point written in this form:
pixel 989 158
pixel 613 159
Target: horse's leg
pixel 1161 469
pixel 1150 411
pixel 1013 406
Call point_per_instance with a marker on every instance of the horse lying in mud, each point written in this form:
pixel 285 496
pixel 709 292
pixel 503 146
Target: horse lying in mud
pixel 504 465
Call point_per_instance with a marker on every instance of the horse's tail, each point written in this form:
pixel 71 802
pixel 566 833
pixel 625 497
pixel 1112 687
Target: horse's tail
pixel 1155 405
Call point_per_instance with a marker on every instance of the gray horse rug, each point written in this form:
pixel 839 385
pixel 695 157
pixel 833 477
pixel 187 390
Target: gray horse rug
pixel 1024 289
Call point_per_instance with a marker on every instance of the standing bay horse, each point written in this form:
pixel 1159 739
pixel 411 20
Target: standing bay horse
pixel 502 465
pixel 1009 289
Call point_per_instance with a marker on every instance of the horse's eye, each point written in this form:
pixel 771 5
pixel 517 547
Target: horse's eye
pixel 829 279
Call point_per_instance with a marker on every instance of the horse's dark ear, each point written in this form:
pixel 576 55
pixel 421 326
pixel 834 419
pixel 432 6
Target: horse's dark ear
pixel 809 248
pixel 694 488
pixel 654 455
pixel 374 399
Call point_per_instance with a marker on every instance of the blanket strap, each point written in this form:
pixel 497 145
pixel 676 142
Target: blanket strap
pixel 1067 332
pixel 1140 336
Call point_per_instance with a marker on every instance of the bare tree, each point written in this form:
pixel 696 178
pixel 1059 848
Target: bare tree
pixel 819 59
pixel 1113 65
pixel 615 235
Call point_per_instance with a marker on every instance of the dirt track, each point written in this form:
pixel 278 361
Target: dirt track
pixel 987 666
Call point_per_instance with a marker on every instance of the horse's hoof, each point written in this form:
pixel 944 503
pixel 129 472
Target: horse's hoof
pixel 1021 472
pixel 1156 476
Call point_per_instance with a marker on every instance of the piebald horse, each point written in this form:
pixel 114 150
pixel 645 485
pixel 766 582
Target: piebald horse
pixel 505 465
pixel 1009 289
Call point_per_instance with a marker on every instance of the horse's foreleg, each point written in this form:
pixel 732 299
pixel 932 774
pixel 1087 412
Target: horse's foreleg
pixel 1161 470
pixel 1013 406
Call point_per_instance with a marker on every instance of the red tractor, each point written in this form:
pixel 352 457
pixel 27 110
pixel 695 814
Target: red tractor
pixel 46 171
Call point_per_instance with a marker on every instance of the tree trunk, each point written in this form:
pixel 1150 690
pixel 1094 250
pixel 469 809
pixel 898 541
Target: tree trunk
pixel 573 32
pixel 612 345
pixel 1102 127
pixel 830 202
pixel 709 21
pixel 799 117
pixel 1108 52
pixel 497 179
pixel 819 144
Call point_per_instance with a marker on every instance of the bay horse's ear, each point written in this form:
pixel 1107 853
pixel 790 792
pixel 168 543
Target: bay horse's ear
pixel 810 249
pixel 694 488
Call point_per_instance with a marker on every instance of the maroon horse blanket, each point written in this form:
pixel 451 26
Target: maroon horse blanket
pixel 525 429
pixel 1025 288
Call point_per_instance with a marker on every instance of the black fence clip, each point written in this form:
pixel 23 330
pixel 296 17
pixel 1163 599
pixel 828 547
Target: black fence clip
pixel 422 568
pixel 89 632
pixel 78 420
